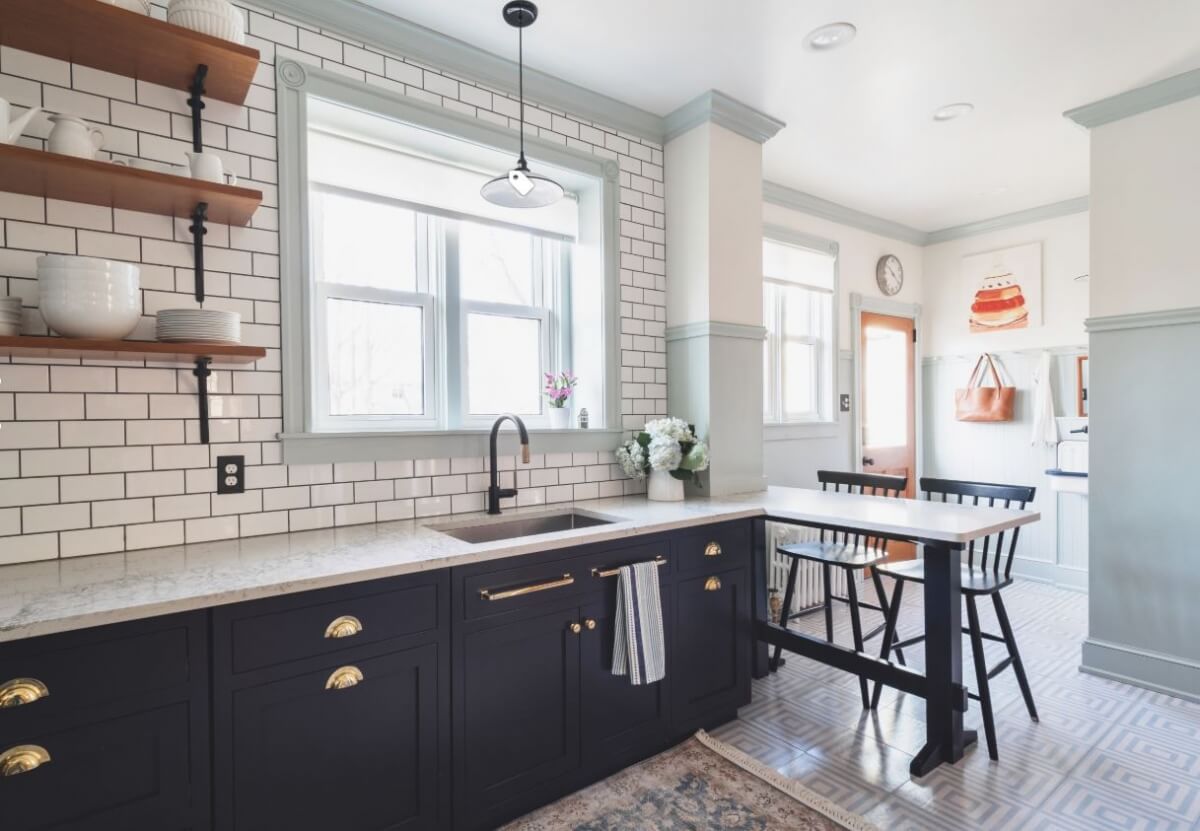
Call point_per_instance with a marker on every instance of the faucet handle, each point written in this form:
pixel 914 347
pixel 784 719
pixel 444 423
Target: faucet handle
pixel 525 454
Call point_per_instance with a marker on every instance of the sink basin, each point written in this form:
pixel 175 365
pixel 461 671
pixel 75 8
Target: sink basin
pixel 499 528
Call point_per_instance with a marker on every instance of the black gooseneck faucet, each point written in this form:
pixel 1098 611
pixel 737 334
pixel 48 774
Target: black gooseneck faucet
pixel 495 493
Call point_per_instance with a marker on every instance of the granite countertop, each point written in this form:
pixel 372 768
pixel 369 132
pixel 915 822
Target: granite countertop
pixel 62 595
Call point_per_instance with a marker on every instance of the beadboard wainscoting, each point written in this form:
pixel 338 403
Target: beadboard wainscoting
pixel 1055 549
pixel 102 455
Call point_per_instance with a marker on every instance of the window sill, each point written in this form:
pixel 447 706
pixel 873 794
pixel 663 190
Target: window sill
pixel 313 448
pixel 801 431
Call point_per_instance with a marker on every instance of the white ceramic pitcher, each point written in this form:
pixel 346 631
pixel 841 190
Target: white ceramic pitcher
pixel 72 136
pixel 10 131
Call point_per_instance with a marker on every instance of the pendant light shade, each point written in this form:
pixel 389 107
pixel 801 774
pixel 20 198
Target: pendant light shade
pixel 519 188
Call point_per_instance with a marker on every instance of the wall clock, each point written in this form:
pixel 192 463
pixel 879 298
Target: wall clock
pixel 889 274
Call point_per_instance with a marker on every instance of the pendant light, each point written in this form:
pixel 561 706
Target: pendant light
pixel 519 188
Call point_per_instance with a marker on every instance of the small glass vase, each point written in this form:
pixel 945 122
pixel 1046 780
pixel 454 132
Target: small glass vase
pixel 560 418
pixel 663 487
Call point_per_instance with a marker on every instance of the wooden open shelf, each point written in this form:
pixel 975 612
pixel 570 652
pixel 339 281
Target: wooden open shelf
pixel 41 347
pixel 126 43
pixel 40 173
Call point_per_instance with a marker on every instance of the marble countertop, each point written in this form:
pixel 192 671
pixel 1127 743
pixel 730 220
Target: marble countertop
pixel 62 595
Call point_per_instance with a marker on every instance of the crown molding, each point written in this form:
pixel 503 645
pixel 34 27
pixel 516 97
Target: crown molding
pixel 1134 101
pixel 715 329
pixel 1144 320
pixel 997 223
pixel 423 45
pixel 797 200
pixel 719 108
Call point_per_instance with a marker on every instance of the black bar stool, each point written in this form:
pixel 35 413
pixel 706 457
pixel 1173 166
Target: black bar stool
pixel 848 551
pixel 989 577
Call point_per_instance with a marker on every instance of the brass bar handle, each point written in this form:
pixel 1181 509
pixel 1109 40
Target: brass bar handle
pixel 20 691
pixel 346 626
pixel 23 758
pixel 343 678
pixel 489 594
pixel 659 561
pixel 713 549
pixel 712 584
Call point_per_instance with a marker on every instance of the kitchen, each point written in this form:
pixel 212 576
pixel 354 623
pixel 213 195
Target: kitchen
pixel 268 444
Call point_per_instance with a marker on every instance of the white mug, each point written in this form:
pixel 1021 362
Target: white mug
pixel 72 136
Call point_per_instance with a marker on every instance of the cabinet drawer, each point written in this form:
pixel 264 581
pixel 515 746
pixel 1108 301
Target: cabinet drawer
pixel 521 587
pixel 712 547
pixel 271 632
pixel 132 772
pixel 60 676
pixel 597 564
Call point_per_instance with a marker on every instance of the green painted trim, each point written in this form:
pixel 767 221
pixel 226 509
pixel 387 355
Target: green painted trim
pixel 1054 210
pixel 1144 320
pixel 715 329
pixel 719 108
pixel 802 239
pixel 396 35
pixel 777 194
pixel 1067 350
pixel 316 448
pixel 1168 674
pixel 1142 99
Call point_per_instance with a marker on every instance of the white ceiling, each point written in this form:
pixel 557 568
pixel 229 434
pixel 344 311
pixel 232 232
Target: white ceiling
pixel 860 131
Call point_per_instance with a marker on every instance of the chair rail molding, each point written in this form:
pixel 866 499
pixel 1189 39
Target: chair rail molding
pixel 1139 100
pixel 715 329
pixel 1144 320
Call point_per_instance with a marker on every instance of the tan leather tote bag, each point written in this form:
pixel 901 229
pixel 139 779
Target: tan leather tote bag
pixel 980 403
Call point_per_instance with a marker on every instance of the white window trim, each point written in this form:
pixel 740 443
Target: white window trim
pixel 300 441
pixel 820 426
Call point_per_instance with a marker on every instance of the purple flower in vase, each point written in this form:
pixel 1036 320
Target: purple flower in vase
pixel 559 387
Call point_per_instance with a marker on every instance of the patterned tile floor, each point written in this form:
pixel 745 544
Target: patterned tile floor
pixel 1104 755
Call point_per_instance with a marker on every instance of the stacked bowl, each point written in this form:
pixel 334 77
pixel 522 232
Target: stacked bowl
pixel 85 297
pixel 10 315
pixel 218 18
pixel 198 326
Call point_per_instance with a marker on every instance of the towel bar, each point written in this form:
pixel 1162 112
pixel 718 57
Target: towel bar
pixel 613 572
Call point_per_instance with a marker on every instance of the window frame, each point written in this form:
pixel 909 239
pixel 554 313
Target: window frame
pixel 823 422
pixel 594 178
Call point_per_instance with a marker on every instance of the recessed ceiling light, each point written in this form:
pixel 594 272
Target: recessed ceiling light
pixel 953 111
pixel 831 36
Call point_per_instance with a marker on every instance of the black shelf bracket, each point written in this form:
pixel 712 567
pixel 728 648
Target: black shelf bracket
pixel 196 102
pixel 199 217
pixel 202 372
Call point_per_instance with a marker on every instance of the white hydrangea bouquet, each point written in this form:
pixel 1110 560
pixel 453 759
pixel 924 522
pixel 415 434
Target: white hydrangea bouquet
pixel 668 451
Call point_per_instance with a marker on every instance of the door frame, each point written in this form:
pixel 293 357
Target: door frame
pixel 882 305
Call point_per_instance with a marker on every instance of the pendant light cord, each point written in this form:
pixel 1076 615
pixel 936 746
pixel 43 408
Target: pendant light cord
pixel 521 87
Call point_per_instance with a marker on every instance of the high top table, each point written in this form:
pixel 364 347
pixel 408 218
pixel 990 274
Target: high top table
pixel 944 529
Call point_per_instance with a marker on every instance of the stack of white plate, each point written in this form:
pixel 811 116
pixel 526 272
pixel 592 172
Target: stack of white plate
pixel 87 297
pixel 10 315
pixel 198 325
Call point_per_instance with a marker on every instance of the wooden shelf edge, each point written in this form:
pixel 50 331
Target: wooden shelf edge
pixel 32 346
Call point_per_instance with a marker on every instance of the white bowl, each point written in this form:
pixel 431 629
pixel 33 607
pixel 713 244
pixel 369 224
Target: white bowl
pixel 72 262
pixel 139 6
pixel 217 18
pixel 90 306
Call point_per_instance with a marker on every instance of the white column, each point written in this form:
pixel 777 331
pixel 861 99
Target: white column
pixel 713 180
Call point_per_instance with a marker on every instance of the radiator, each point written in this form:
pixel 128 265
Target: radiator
pixel 810 585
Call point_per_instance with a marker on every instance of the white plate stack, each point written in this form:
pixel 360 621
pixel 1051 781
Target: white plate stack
pixel 198 326
pixel 10 315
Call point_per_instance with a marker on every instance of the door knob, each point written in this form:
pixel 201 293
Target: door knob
pixel 576 628
pixel 590 624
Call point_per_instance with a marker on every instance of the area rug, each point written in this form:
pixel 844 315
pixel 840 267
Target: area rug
pixel 698 785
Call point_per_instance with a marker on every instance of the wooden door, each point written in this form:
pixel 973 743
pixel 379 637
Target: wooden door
pixel 518 705
pixel 359 758
pixel 620 722
pixel 888 396
pixel 711 661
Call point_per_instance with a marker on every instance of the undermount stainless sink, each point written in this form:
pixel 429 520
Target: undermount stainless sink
pixel 491 530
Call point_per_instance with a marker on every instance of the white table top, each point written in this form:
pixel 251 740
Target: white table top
pixel 62 595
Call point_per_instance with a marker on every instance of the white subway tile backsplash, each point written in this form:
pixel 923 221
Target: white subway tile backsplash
pixel 93 541
pixel 213 528
pixel 122 512
pixel 28 548
pixel 153 535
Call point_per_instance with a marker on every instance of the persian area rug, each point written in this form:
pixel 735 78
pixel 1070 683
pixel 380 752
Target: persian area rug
pixel 698 785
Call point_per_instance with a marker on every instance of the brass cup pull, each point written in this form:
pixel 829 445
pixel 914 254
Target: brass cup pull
pixel 346 626
pixel 20 691
pixel 576 628
pixel 22 759
pixel 713 549
pixel 712 584
pixel 590 624
pixel 343 678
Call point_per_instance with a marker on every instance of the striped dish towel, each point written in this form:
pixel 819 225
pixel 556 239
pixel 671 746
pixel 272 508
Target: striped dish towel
pixel 639 649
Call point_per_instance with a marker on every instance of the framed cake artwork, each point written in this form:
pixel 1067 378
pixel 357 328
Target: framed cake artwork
pixel 1004 288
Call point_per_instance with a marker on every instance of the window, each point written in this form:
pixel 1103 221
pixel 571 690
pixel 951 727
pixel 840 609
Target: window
pixel 429 309
pixel 799 289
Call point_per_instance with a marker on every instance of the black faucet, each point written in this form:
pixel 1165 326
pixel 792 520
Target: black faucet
pixel 494 493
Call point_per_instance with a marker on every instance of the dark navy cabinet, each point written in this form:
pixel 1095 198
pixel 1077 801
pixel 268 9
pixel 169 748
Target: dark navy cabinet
pixel 452 699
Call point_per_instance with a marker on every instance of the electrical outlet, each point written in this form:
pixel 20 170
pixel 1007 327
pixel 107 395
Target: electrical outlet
pixel 845 402
pixel 231 474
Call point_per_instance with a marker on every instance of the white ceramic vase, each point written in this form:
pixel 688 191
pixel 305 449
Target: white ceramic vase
pixel 663 487
pixel 560 418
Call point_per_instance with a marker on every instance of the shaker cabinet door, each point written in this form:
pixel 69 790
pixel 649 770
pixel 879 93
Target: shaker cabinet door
pixel 712 647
